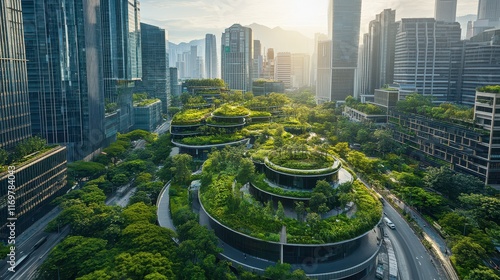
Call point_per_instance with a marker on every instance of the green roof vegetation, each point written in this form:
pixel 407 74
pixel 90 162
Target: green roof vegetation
pixel 205 83
pixel 366 108
pixel 227 110
pixel 146 102
pixel 190 116
pixel 490 89
pixel 211 139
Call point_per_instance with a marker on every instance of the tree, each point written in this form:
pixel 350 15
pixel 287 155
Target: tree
pixel 120 180
pixel 482 273
pixel 467 253
pixel 70 256
pixel 181 168
pixel 139 212
pixel 4 156
pixel 80 170
pixel 140 196
pixel 114 152
pixel 300 209
pixel 142 265
pixel 483 208
pixel 30 145
pixel 280 212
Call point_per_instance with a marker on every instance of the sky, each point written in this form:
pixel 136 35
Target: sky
pixel 186 20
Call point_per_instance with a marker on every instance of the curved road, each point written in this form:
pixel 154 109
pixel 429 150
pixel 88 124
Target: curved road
pixel 414 263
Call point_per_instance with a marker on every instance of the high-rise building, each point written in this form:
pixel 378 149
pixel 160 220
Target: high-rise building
pixel 344 18
pixel 211 64
pixel 257 60
pixel 122 55
pixel 237 57
pixel 488 17
pixel 175 87
pixel 422 56
pixel 324 73
pixel 65 73
pixel 376 62
pixel 445 10
pixel 300 70
pixel 155 70
pixel 268 69
pixel 475 64
pixel 14 106
pixel 40 177
pixel 283 68
pixel 314 59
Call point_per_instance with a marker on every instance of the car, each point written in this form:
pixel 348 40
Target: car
pixel 389 223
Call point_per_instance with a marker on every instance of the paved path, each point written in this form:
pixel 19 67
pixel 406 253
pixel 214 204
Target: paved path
pixel 163 212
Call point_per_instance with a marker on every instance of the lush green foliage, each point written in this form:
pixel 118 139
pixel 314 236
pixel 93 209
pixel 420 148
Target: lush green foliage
pixel 366 108
pixel 228 110
pixel 204 83
pixel 190 116
pixel 211 139
pixel 422 105
pixel 491 89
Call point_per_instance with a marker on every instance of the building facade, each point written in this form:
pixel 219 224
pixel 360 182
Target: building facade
pixel 445 10
pixel 344 18
pixel 376 63
pixel 300 71
pixel 488 17
pixel 283 68
pixel 122 55
pixel 155 70
pixel 324 72
pixel 65 73
pixel 14 105
pixel 211 64
pixel 237 57
pixel 422 56
pixel 147 114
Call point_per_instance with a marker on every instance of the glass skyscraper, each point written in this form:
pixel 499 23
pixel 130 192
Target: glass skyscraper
pixel 344 18
pixel 63 46
pixel 211 64
pixel 237 57
pixel 14 103
pixel 155 70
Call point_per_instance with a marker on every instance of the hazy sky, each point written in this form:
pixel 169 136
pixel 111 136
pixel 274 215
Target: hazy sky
pixel 186 20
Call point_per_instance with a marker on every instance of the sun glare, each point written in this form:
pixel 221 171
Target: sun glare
pixel 308 13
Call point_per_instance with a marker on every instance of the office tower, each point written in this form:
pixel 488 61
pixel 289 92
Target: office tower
pixel 422 56
pixel 488 17
pixel 488 9
pixel 257 60
pixel 475 64
pixel 155 70
pixel 343 30
pixel 376 62
pixel 300 70
pixel 14 106
pixel 65 73
pixel 445 10
pixel 41 176
pixel 211 64
pixel 324 72
pixel 174 84
pixel 122 55
pixel 268 71
pixel 314 59
pixel 193 63
pixel 237 57
pixel 283 68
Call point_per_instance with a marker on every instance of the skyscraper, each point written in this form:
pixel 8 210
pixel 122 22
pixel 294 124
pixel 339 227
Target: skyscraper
pixel 122 55
pixel 14 106
pixel 211 64
pixel 268 71
pixel 237 57
pixel 324 72
pixel 422 56
pixel 300 70
pixel 343 30
pixel 488 17
pixel 65 73
pixel 155 70
pixel 283 68
pixel 376 66
pixel 257 60
pixel 43 177
pixel 445 10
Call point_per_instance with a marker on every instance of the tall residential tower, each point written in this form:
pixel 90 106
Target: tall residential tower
pixel 237 57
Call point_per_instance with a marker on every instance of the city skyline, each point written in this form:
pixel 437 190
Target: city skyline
pixel 189 20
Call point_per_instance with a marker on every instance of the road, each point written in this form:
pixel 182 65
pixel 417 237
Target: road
pixel 414 263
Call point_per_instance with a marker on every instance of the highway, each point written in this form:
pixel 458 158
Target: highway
pixel 414 263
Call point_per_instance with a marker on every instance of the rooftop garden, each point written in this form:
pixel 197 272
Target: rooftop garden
pixel 259 114
pixel 227 110
pixel 422 105
pixel 190 116
pixel 26 151
pixel 490 89
pixel 211 139
pixel 299 158
pixel 146 102
pixel 368 109
pixel 205 83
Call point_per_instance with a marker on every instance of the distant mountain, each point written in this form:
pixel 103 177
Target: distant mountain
pixel 463 22
pixel 281 40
